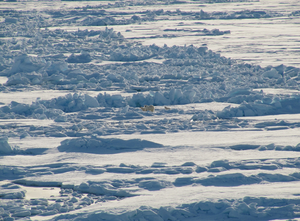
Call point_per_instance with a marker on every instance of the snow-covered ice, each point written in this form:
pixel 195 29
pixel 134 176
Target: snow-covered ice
pixel 149 110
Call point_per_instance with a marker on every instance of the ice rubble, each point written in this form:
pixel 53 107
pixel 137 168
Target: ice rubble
pixel 6 148
pixel 245 209
pixel 11 191
pixel 265 106
pixel 251 104
pixel 191 74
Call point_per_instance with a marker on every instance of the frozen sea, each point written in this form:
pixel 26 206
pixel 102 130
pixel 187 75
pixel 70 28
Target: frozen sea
pixel 150 110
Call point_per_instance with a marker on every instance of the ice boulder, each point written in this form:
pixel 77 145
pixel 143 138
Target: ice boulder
pixel 160 99
pixel 81 58
pixel 34 78
pixel 273 73
pixel 5 148
pixel 19 108
pixel 108 100
pixel 292 71
pixel 102 189
pixel 124 110
pixel 17 79
pixel 27 64
pixel 71 102
pixel 239 91
pixel 96 21
pixel 57 67
pixel 140 100
pixel 246 110
pixel 25 78
pixel 175 95
pixel 132 54
pixel 117 78
pixel 153 185
pixel 90 101
pixel 204 115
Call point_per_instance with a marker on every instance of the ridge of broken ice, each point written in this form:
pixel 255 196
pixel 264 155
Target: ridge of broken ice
pixel 101 145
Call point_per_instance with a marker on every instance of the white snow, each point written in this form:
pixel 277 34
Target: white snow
pixel 149 110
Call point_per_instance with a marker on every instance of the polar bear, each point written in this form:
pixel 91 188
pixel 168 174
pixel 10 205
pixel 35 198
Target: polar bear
pixel 148 108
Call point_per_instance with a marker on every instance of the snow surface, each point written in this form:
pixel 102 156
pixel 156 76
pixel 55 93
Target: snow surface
pixel 223 140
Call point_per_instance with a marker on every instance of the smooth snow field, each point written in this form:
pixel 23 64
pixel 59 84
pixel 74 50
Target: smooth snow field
pixel 156 110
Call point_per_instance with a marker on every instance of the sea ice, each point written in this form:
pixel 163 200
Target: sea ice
pixel 120 124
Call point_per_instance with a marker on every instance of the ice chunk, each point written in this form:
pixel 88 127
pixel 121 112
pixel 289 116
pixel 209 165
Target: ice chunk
pixel 108 100
pixel 244 147
pixel 57 67
pixel 246 109
pixel 5 148
pixel 132 54
pixel 91 101
pixel 153 185
pixel 19 194
pixel 17 79
pixel 175 95
pixel 234 179
pixel 100 145
pixel 71 103
pixel 183 181
pixel 239 91
pixel 25 63
pixel 115 78
pixel 81 58
pixel 204 115
pixel 159 99
pixel 38 183
pixel 22 213
pixel 100 189
pixel 273 73
pixel 124 110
